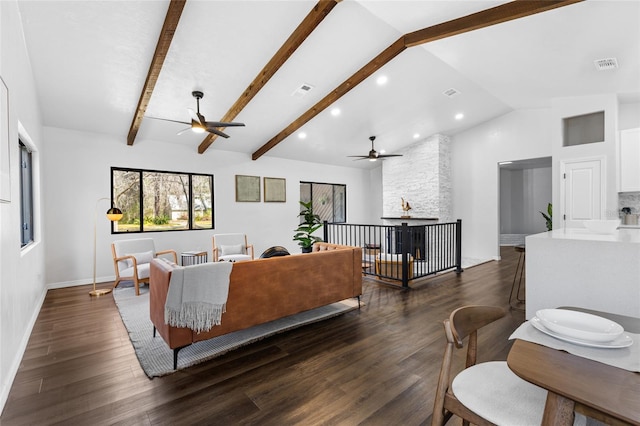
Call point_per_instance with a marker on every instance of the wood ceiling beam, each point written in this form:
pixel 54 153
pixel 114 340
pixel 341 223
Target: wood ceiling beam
pixel 299 35
pixel 496 15
pixel 162 48
pixel 485 18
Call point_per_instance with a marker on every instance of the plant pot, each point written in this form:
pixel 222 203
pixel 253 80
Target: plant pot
pixel 307 249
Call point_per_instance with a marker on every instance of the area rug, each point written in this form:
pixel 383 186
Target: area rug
pixel 155 357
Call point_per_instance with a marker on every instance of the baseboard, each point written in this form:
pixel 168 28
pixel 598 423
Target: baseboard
pixel 75 283
pixel 15 365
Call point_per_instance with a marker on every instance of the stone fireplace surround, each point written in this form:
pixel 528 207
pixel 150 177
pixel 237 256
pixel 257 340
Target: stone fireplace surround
pixel 422 176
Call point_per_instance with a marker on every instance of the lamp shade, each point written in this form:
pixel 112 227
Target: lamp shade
pixel 114 214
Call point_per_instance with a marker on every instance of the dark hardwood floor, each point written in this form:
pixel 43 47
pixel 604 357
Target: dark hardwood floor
pixel 376 366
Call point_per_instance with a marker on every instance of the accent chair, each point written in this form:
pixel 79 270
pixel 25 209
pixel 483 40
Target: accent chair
pixel 131 260
pixel 231 248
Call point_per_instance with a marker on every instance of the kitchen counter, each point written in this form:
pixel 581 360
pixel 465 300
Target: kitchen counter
pixel 575 267
pixel 625 234
pixel 629 226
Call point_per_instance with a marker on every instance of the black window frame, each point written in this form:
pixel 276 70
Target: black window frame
pixel 190 220
pixel 333 185
pixel 27 232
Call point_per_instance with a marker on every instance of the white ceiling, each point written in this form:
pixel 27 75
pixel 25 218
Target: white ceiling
pixel 90 60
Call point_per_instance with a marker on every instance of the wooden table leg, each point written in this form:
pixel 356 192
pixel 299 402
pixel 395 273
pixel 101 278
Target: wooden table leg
pixel 558 411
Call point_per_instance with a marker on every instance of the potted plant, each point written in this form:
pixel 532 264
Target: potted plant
pixel 311 223
pixel 548 217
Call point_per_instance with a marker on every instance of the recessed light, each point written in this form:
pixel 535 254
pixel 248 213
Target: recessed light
pixel 505 162
pixel 382 151
pixel 302 135
pixel 335 112
pixel 459 116
pixel 382 80
pixel 416 135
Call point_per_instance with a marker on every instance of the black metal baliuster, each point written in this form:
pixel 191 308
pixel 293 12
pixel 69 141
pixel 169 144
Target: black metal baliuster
pixel 401 252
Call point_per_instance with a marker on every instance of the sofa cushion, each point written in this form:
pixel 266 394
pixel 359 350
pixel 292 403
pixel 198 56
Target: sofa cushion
pixel 141 258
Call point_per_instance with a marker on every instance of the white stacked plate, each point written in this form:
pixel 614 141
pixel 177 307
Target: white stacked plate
pixel 581 328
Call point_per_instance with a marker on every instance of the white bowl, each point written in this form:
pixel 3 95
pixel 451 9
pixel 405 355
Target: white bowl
pixel 602 226
pixel 580 325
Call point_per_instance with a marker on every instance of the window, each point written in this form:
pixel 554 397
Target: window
pixel 329 200
pixel 154 201
pixel 583 129
pixel 26 195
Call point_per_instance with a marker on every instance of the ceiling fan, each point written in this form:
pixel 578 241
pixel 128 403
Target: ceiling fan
pixel 373 154
pixel 199 124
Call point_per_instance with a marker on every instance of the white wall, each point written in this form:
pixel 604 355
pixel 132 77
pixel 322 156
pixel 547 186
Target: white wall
pixel 475 155
pixel 77 167
pixel 375 196
pixel 571 107
pixel 22 287
pixel 628 116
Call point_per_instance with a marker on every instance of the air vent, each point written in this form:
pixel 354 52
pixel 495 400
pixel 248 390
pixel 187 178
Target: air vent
pixel 302 90
pixel 450 93
pixel 606 64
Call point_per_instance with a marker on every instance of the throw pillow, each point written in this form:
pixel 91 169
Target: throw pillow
pixel 144 257
pixel 235 249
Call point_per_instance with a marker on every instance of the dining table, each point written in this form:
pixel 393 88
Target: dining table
pixel 601 383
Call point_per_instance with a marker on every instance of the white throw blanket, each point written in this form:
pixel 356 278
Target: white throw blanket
pixel 197 295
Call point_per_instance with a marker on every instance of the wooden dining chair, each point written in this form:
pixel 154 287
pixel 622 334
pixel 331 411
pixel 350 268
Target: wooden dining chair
pixel 487 393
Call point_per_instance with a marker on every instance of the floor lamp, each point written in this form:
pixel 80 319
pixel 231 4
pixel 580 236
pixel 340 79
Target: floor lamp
pixel 114 214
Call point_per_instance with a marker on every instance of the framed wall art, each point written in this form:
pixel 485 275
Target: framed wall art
pixel 275 190
pixel 5 169
pixel 247 188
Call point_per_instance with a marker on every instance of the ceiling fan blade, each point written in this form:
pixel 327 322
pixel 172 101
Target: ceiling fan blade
pixel 373 154
pixel 193 115
pixel 166 119
pixel 223 124
pixel 217 132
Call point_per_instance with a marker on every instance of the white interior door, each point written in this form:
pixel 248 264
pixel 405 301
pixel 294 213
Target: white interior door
pixel 582 185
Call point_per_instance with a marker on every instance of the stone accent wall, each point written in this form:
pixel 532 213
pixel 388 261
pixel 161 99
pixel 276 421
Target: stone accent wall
pixel 629 199
pixel 422 176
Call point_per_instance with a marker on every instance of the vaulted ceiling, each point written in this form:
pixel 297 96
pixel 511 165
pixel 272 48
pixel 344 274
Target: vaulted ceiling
pixel 115 66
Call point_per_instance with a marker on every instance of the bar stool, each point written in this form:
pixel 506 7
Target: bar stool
pixel 514 296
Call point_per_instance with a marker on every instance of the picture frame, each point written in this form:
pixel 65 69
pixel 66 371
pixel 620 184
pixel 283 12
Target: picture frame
pixel 275 190
pixel 5 152
pixel 247 189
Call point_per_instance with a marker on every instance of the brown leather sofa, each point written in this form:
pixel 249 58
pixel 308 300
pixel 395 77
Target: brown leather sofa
pixel 264 290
